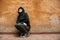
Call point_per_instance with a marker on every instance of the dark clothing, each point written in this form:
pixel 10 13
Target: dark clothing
pixel 23 18
pixel 22 28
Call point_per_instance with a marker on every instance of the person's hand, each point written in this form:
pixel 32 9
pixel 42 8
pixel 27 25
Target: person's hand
pixel 24 23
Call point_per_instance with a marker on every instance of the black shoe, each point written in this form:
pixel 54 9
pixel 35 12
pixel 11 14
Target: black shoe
pixel 27 34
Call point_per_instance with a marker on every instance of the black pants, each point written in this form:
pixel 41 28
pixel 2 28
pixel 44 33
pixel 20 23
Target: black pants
pixel 22 28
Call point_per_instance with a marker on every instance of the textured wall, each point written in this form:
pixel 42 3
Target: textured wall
pixel 44 14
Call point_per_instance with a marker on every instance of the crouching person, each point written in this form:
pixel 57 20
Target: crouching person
pixel 23 23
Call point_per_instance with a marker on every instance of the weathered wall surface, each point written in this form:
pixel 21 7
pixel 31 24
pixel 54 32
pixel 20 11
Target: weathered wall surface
pixel 44 14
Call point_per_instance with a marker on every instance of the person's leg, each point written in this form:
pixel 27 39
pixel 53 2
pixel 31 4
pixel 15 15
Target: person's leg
pixel 23 29
pixel 19 33
pixel 26 32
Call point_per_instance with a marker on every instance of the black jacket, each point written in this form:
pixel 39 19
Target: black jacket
pixel 23 18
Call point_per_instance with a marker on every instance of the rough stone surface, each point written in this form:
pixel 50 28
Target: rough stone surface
pixel 44 14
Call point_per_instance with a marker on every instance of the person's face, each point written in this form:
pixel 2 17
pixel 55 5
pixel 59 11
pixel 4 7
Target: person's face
pixel 20 10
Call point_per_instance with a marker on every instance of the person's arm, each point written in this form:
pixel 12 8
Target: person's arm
pixel 17 21
pixel 28 21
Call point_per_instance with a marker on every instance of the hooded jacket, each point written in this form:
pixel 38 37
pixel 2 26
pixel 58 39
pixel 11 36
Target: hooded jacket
pixel 23 17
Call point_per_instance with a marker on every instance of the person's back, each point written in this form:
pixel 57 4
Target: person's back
pixel 23 23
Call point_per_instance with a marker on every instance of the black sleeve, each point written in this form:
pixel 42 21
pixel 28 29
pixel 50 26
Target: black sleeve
pixel 17 21
pixel 27 20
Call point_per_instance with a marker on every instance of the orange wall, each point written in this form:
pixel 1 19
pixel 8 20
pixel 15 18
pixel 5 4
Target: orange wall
pixel 44 14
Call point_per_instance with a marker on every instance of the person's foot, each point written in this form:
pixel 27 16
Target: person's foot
pixel 25 35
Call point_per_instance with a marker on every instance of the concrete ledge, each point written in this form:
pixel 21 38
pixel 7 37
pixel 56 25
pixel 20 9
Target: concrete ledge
pixel 31 37
pixel 31 33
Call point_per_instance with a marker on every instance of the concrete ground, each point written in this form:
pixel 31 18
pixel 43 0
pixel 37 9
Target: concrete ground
pixel 32 37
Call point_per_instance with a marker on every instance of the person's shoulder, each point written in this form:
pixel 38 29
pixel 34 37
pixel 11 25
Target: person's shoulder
pixel 25 14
